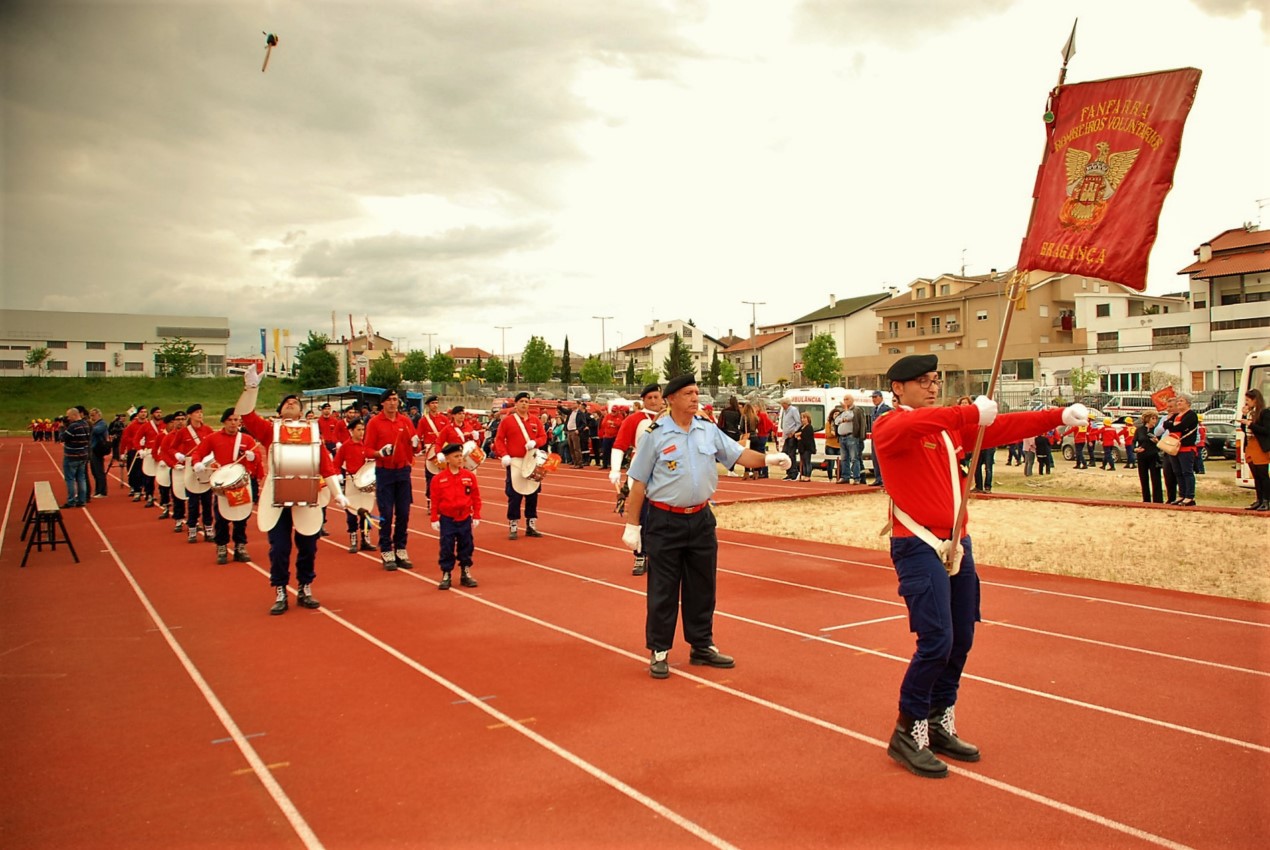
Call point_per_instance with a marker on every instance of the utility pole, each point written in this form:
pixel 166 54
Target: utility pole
pixel 754 305
pixel 429 336
pixel 603 347
pixel 504 329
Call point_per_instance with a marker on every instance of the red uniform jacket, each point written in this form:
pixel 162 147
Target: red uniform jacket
pixel 625 438
pixel 221 447
pixel 456 495
pixel 913 456
pixel 129 442
pixel 164 452
pixel 430 426
pixel 332 429
pixel 353 456
pixel 186 439
pixel 509 440
pixel 610 425
pixel 382 431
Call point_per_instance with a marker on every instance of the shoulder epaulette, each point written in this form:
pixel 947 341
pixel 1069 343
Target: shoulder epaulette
pixel 656 424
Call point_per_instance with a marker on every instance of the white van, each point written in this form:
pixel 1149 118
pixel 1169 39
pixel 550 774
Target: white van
pixel 1128 404
pixel 818 403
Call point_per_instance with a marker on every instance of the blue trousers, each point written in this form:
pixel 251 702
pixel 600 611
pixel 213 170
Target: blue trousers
pixel 456 541
pixel 75 471
pixel 682 563
pixel 942 612
pixel 514 499
pixel 280 553
pixel 850 469
pixel 1185 475
pixel 394 496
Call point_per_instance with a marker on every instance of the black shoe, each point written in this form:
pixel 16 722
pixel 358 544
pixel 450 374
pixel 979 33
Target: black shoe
pixel 69 505
pixel 532 531
pixel 465 578
pixel 658 668
pixel 403 561
pixel 710 657
pixel 304 597
pixel 324 533
pixel 1186 503
pixel 390 560
pixel 910 746
pixel 222 555
pixel 641 565
pixel 280 601
pixel 445 581
pixel 240 555
pixel 367 546
pixel 165 513
pixel 352 543
pixel 942 727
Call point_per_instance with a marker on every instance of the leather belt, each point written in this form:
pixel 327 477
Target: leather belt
pixel 674 509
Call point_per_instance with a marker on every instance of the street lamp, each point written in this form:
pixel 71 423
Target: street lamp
pixel 603 347
pixel 504 329
pixel 754 305
pixel 429 335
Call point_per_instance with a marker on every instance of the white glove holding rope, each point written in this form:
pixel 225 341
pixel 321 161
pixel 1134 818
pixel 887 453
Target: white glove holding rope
pixel 1076 414
pixel 531 446
pixel 630 537
pixel 777 459
pixel 988 410
pixel 250 456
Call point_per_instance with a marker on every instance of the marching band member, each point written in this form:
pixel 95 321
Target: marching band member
pixel 167 500
pixel 224 447
pixel 628 436
pixel 352 456
pixel 919 445
pixel 519 435
pixel 198 498
pixel 332 428
pixel 431 422
pixel 281 521
pixel 128 445
pixel 455 511
pixel 149 436
pixel 391 436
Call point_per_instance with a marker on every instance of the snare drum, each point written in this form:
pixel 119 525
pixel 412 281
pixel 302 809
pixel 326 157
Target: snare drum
pixel 232 485
pixel 359 488
pixel 472 455
pixel 229 477
pixel 364 478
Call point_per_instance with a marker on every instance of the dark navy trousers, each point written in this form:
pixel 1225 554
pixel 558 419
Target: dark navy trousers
pixel 394 497
pixel 456 540
pixel 280 553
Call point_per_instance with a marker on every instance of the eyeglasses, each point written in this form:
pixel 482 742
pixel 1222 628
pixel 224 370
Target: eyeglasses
pixel 926 382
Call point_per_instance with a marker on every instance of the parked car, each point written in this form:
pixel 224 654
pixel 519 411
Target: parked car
pixel 1221 439
pixel 1220 414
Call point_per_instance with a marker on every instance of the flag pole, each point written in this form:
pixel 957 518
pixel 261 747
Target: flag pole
pixel 1016 292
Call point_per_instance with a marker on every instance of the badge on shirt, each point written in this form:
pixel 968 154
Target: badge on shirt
pixel 672 465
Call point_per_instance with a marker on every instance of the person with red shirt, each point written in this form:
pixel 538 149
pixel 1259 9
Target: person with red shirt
pixel 228 445
pixel 919 445
pixel 391 436
pixel 610 424
pixel 519 434
pixel 282 522
pixel 352 456
pixel 128 445
pixel 332 429
pixel 431 423
pixel 455 512
pixel 1109 437
pixel 1079 435
pixel 163 457
pixel 198 505
pixel 628 437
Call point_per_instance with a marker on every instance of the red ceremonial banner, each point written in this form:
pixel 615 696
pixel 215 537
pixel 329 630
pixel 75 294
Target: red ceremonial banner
pixel 1160 397
pixel 1109 160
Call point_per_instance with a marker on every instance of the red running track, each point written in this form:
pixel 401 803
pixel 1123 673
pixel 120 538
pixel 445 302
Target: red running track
pixel 150 701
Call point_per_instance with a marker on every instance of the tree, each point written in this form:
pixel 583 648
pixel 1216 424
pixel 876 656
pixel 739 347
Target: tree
pixel 415 366
pixel 630 372
pixel 441 367
pixel 820 361
pixel 566 367
pixel 495 371
pixel 535 361
pixel 384 373
pixel 648 376
pixel 596 371
pixel 320 368
pixel 1161 379
pixel 36 357
pixel 470 371
pixel 315 342
pixel 715 370
pixel 1082 379
pixel 512 375
pixel 177 357
pixel 727 374
pixel 678 361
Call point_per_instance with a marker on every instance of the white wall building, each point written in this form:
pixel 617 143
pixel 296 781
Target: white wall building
pixel 105 344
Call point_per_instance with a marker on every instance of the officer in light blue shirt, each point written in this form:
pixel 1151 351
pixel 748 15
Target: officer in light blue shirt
pixel 675 471
pixel 790 422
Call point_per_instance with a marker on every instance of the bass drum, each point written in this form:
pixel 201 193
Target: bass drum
pixel 524 473
pixel 306 520
pixel 178 482
pixel 359 488
pixel 197 482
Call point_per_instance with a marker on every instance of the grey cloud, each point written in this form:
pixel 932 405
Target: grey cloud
pixel 340 259
pixel 897 22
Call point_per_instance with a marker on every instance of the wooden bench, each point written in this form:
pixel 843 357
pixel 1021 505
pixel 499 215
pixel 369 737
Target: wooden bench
pixel 42 519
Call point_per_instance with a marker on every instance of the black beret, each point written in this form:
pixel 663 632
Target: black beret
pixel 287 398
pixel 674 385
pixel 651 388
pixel 521 395
pixel 451 448
pixel 154 409
pixel 912 367
pixel 387 395
pixel 193 408
pixel 430 399
pixel 456 410
pixel 167 420
pixel 325 405
pixel 229 411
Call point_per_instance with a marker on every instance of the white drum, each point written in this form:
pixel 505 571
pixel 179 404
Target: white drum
pixel 232 486
pixel 294 465
pixel 178 481
pixel 163 475
pixel 527 475
pixel 473 456
pixel 306 519
pixel 430 460
pixel 197 482
pixel 149 465
pixel 359 488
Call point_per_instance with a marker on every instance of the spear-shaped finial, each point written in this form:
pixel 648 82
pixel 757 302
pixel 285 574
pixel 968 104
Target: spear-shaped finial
pixel 1069 50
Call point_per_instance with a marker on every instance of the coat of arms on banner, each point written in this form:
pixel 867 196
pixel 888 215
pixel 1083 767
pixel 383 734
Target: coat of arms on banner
pixel 1091 181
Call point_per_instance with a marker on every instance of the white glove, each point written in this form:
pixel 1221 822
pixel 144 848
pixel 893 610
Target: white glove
pixel 386 450
pixel 414 441
pixel 475 522
pixel 436 526
pixel 530 446
pixel 339 499
pixel 987 410
pixel 200 467
pixel 615 476
pixel 251 378
pixel 1076 414
pixel 506 460
pixel 338 446
pixel 630 537
pixel 180 458
pixel 250 456
pixel 778 459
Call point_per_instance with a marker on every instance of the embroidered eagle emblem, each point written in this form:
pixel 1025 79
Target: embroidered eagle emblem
pixel 1091 181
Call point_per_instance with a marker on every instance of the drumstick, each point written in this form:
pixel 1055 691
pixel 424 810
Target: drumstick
pixel 363 514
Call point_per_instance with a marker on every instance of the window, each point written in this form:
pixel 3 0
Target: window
pixel 134 367
pixel 981 316
pixel 95 366
pixel 1021 369
pixel 1109 341
pixel 910 324
pixel 1102 311
pixel 56 365
pixel 909 349
pixel 1165 338
pixel 892 351
pixel 1044 339
pixel 10 364
pixel 981 343
pixel 1199 305
pixel 802 334
pixel 934 324
pixel 892 329
pixel 687 334
pixel 945 289
pixel 133 346
pixel 1043 310
pixel 936 346
pixel 95 346
pixel 1197 381
pixel 1234 324
pixel 921 292
pixel 56 343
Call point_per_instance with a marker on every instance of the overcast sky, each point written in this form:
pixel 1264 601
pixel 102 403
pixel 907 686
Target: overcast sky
pixel 446 168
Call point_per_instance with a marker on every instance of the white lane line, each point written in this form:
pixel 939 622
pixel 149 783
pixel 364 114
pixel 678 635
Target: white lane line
pixel 1040 799
pixel 280 798
pixel 861 623
pixel 542 741
pixel 1188 730
pixel 8 507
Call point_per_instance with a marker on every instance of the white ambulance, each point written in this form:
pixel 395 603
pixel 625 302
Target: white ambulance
pixel 818 403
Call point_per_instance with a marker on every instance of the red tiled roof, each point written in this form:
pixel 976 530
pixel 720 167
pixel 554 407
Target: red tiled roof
pixel 469 353
pixel 643 342
pixel 1242 263
pixel 1239 237
pixel 756 342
